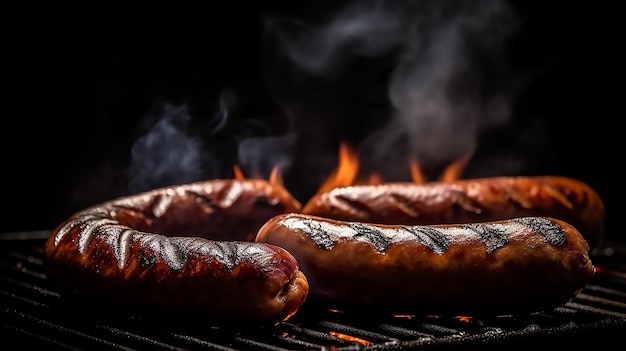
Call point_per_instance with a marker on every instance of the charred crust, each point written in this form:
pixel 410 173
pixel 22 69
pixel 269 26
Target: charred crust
pixel 373 236
pixel 355 206
pixel 433 238
pixel 203 200
pixel 146 257
pixel 461 202
pixel 493 237
pixel 552 232
pixel 405 204
pixel 227 254
pixel 318 235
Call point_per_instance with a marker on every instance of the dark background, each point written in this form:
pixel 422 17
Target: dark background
pixel 81 82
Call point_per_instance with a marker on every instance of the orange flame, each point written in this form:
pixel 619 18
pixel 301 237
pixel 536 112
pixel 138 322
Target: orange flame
pixel 374 179
pixel 349 338
pixel 276 177
pixel 416 172
pixel 238 173
pixel 346 171
pixel 454 170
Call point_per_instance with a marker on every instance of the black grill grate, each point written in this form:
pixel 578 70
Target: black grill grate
pixel 35 317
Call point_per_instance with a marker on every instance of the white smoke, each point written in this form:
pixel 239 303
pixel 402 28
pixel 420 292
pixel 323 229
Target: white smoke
pixel 167 154
pixel 437 89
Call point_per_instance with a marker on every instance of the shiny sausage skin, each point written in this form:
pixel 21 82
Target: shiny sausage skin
pixel 159 251
pixel 503 267
pixel 467 201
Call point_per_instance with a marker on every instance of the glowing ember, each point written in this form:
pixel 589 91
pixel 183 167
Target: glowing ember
pixel 349 338
pixel 404 316
pixel 464 318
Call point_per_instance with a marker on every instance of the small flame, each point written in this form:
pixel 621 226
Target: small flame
pixel 238 173
pixel 346 172
pixel 374 179
pixel 349 338
pixel 454 170
pixel 348 169
pixel 464 318
pixel 416 172
pixel 276 177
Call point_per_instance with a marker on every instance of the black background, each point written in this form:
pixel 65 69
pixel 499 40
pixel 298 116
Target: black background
pixel 79 81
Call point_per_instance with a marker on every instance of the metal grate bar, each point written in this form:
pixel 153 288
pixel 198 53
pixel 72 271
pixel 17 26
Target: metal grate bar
pixel 141 340
pixel 200 342
pixel 352 330
pixel 30 340
pixel 593 310
pixel 600 301
pixel 59 330
pixel 406 332
pixel 316 336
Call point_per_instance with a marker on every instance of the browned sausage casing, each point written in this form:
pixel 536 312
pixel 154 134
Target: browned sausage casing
pixel 511 266
pixel 467 201
pixel 160 251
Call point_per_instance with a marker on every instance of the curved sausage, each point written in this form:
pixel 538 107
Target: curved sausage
pixel 466 201
pixel 511 266
pixel 182 250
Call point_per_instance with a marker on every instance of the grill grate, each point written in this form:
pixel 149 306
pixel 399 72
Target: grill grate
pixel 34 316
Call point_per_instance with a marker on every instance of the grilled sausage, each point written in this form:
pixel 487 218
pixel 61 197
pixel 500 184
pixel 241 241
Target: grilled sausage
pixel 503 267
pixel 466 201
pixel 182 250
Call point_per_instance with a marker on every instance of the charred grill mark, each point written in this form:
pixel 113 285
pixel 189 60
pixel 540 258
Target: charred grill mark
pixel 464 202
pixel 260 255
pixel 404 204
pixel 161 203
pixel 373 236
pixel 229 194
pixel 153 244
pixel 318 235
pixel 551 231
pixel 492 237
pixel 518 197
pixel 172 253
pixel 433 238
pixel 559 196
pixel 204 201
pixel 88 231
pixel 265 201
pixel 226 253
pixel 146 216
pixel 353 206
pixel 122 247
pixel 62 232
